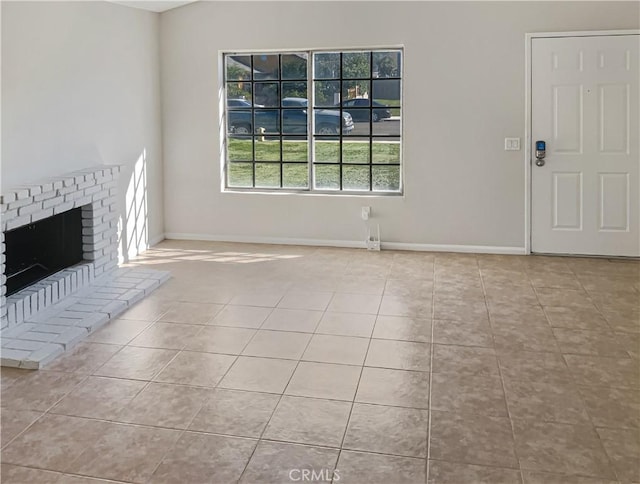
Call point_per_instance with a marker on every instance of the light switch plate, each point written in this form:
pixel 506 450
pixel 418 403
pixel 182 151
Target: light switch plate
pixel 512 144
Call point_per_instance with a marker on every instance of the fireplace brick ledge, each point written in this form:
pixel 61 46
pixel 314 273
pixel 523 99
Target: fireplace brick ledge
pixel 48 334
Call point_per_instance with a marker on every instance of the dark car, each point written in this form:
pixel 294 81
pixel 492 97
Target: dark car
pixel 361 113
pixel 241 103
pixel 294 121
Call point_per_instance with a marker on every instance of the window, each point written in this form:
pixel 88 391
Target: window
pixel 314 121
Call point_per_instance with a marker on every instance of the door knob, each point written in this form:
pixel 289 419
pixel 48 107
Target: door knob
pixel 540 162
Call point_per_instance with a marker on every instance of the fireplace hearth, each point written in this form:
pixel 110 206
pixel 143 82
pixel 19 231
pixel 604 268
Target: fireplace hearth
pixel 59 274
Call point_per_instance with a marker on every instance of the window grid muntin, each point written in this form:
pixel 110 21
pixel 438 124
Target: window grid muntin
pixel 311 136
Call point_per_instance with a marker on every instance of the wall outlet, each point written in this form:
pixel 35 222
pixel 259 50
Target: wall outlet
pixel 366 213
pixel 512 144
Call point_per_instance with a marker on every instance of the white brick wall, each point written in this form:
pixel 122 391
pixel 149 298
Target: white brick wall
pixel 94 190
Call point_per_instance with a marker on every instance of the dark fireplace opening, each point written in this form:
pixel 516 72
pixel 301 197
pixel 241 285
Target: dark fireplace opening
pixel 37 250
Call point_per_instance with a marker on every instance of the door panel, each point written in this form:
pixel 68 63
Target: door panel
pixel 614 201
pixel 567 201
pixel 585 102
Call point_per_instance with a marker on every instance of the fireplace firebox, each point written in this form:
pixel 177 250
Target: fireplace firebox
pixel 37 250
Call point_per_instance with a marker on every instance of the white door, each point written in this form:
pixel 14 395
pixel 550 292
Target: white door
pixel 584 105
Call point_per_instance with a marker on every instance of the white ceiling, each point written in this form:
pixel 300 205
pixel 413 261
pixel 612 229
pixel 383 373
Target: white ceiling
pixel 154 5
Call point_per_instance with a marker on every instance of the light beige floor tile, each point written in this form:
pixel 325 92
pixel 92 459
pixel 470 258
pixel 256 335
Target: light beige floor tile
pixel 401 287
pixel 312 300
pixel 265 298
pixel 359 467
pixel 164 405
pixel 344 350
pixel 631 342
pixel 412 306
pixel 532 477
pixel 515 314
pixel 595 370
pixel 85 358
pixel 354 303
pixel 460 311
pixel 403 328
pixel 118 331
pixel 523 338
pixel 205 458
pixel 472 439
pixel 272 463
pixel 221 339
pixel 545 401
pixel 576 318
pixel 39 390
pixel 561 448
pixel 232 412
pixel 466 360
pixel 361 285
pixel 627 321
pixel 309 421
pixel 564 297
pixel 401 355
pixel 597 334
pixel 560 280
pixel 241 316
pixel 13 422
pixel 53 442
pixel 612 407
pixel 301 320
pixel 462 334
pixel 442 472
pixel 529 366
pixel 460 393
pixel 10 376
pixel 324 380
pixel 277 344
pixel 12 474
pixel 595 343
pixel 170 336
pixel 259 374
pixel 194 368
pixel 149 309
pixel 346 324
pixel 387 430
pixel 99 397
pixel 623 448
pixel 136 363
pixel 509 293
pixel 125 452
pixel 191 313
pixel 201 293
pixel 399 388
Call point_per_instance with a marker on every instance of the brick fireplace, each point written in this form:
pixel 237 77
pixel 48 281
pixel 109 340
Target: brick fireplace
pixel 93 191
pixel 49 316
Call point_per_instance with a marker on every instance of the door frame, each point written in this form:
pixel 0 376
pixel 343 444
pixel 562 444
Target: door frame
pixel 528 154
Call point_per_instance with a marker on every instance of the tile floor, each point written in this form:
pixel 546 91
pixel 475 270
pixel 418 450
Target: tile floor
pixel 260 364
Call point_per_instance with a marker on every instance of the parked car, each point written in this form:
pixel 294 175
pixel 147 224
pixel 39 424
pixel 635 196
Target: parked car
pixel 294 121
pixel 241 103
pixel 292 102
pixel 379 111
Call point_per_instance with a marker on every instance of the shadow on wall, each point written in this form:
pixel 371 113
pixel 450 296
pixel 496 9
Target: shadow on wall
pixel 133 226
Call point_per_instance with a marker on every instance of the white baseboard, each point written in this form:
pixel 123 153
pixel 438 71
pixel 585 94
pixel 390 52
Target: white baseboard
pixel 267 240
pixel 475 249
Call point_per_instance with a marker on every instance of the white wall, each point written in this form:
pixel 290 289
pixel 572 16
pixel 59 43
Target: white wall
pixel 464 93
pixel 80 87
